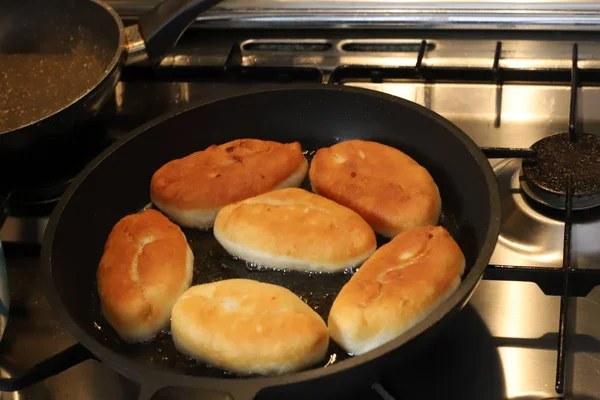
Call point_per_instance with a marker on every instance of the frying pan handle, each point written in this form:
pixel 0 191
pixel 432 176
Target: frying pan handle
pixel 54 365
pixel 163 25
pixel 150 391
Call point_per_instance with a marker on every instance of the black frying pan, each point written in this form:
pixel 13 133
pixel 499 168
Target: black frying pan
pixel 61 59
pixel 117 183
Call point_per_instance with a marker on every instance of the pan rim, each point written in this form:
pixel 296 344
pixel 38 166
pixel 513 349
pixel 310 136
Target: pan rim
pixel 106 75
pixel 142 373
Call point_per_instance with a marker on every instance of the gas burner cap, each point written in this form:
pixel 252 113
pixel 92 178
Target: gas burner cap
pixel 544 179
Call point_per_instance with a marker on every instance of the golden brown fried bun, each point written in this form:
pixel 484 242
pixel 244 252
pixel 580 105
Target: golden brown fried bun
pixel 246 327
pixel 396 288
pixel 147 264
pixel 390 190
pixel 295 229
pixel 191 190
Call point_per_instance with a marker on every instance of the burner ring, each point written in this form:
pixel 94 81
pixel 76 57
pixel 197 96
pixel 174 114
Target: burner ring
pixel 545 177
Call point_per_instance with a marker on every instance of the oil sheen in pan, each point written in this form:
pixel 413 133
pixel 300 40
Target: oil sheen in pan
pixel 212 263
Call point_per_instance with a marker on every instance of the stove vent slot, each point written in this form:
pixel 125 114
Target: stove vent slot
pixel 385 47
pixel 287 46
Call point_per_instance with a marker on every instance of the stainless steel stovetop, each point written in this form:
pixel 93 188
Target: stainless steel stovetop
pixel 577 15
pixel 504 344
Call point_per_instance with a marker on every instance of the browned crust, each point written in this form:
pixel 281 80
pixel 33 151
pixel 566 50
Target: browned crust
pixel 226 173
pixel 397 286
pixel 390 190
pixel 146 265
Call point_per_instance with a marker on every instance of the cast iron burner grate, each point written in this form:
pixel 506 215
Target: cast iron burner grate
pixel 545 176
pixel 561 169
pixel 574 183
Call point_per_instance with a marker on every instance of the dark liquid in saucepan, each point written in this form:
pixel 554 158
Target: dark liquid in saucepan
pixel 212 263
pixel 37 84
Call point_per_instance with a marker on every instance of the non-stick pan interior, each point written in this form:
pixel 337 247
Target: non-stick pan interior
pixel 51 53
pixel 212 263
pixel 316 118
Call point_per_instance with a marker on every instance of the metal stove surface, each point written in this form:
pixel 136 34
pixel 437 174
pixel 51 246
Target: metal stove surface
pixel 504 343
pixel 393 14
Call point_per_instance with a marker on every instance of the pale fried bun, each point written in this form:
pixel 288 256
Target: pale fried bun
pixel 295 229
pixel 248 327
pixel 191 190
pixel 147 264
pixel 396 288
pixel 390 190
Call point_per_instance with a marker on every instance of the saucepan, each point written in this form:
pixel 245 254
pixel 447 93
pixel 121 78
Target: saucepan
pixel 60 61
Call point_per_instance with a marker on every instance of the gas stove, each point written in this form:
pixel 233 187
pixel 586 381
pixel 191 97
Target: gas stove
pixel 531 328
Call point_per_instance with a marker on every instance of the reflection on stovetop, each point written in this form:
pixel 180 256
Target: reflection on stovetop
pixel 533 235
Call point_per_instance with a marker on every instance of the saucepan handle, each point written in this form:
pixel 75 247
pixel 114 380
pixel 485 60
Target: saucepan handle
pixel 150 391
pixel 164 24
pixel 54 365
